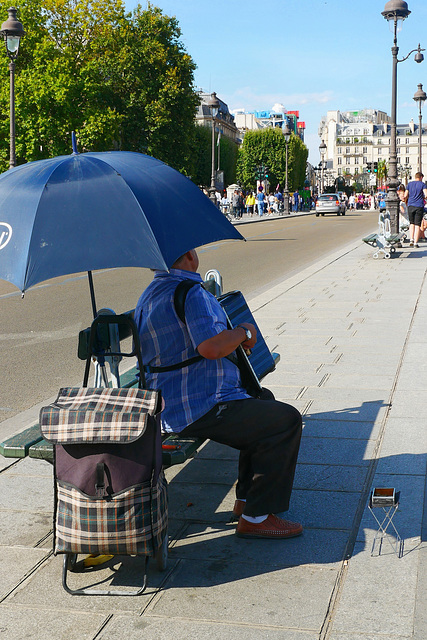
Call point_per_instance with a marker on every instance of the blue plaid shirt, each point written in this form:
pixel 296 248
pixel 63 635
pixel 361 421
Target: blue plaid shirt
pixel 189 392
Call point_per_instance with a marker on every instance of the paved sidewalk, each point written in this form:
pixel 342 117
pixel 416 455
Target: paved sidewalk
pixel 353 344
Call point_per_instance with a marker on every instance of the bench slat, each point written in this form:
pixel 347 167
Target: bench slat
pixel 17 446
pixel 181 449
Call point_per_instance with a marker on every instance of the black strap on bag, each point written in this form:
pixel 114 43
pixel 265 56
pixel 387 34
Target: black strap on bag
pixel 94 350
pixel 179 298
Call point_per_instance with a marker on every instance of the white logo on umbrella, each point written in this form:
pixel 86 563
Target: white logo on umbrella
pixel 5 234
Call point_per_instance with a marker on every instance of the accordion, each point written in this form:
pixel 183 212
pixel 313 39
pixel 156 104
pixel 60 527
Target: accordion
pixel 260 362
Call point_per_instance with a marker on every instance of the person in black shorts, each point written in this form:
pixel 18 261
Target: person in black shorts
pixel 415 194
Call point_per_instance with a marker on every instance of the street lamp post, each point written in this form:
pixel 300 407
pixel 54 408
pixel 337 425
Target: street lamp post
pixel 322 149
pixel 12 30
pixel 287 136
pixel 395 11
pixel 420 97
pixel 214 105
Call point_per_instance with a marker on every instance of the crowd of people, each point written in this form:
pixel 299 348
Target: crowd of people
pixel 261 203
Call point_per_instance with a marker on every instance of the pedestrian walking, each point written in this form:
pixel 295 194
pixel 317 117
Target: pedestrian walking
pixel 415 194
pixel 260 201
pixel 250 203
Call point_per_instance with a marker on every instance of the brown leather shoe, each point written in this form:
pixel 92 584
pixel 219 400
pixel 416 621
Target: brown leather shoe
pixel 238 508
pixel 272 527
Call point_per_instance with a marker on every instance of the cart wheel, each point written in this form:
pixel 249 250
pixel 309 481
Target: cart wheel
pixel 317 215
pixel 162 554
pixel 375 256
pixel 71 561
pixel 392 249
pixel 323 214
pixel 387 256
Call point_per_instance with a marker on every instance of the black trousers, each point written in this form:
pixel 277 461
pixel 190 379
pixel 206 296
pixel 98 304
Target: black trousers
pixel 267 433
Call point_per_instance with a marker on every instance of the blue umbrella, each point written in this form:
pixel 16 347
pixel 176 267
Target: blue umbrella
pixel 100 210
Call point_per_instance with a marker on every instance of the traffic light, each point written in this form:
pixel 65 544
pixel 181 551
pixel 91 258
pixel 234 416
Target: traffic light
pixel 266 172
pixel 375 167
pixel 369 167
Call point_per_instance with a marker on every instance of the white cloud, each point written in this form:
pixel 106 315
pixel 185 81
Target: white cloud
pixel 246 98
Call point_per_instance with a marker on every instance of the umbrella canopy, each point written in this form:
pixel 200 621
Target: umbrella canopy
pixel 100 210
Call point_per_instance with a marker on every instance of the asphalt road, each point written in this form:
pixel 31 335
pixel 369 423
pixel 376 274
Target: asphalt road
pixel 38 342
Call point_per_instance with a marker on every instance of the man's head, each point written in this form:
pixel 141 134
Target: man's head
pixel 189 261
pixel 419 176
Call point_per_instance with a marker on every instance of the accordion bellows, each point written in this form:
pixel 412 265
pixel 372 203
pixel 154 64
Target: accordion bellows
pixel 110 491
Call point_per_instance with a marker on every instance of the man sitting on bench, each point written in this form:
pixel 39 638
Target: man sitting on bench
pixel 204 396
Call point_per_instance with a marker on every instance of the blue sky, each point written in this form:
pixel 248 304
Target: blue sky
pixel 309 55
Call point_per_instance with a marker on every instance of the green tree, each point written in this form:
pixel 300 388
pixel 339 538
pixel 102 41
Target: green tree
pixel 268 147
pixel 201 165
pixel 382 172
pixel 120 80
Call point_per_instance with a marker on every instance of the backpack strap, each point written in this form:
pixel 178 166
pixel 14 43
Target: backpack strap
pixel 179 298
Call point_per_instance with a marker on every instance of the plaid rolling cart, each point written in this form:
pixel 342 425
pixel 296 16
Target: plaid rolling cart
pixel 110 490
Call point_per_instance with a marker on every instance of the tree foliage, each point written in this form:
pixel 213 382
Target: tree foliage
pixel 201 165
pixel 268 147
pixel 119 80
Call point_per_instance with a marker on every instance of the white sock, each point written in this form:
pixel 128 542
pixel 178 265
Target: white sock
pixel 256 520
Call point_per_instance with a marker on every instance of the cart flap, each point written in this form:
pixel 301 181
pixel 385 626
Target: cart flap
pixel 97 415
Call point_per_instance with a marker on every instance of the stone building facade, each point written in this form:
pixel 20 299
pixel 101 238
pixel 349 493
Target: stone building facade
pixel 354 138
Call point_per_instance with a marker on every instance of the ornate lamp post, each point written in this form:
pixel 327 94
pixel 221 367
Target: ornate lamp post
pixel 420 97
pixel 322 149
pixel 214 105
pixel 395 11
pixel 12 30
pixel 287 136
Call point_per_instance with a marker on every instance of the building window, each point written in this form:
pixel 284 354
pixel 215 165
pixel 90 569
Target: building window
pixel 347 160
pixel 407 149
pixel 356 160
pixel 406 140
pixel 398 150
pixel 366 132
pixel 406 160
pixel 340 172
pixel 379 151
pixel 339 160
pixel 356 149
pixel 347 149
pixel 365 149
pixel 339 150
pixel 397 140
pixel 365 159
pixel 379 142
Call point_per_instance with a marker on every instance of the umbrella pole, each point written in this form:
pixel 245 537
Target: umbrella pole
pixel 92 293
